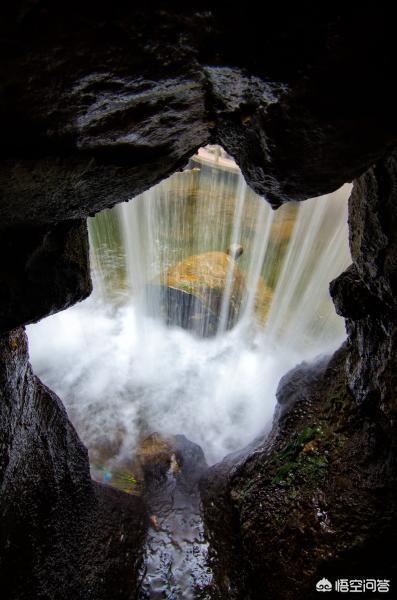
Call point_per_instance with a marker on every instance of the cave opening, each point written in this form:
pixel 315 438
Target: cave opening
pixel 203 298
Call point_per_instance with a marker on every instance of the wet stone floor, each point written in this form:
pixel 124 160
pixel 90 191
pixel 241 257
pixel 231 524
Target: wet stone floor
pixel 176 555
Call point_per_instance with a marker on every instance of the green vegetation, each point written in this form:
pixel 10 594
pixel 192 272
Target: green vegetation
pixel 301 459
pixel 122 480
pixel 186 287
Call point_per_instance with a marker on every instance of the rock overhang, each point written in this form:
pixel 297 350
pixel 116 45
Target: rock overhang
pixel 98 106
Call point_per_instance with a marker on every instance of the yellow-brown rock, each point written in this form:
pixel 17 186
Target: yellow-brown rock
pixel 207 277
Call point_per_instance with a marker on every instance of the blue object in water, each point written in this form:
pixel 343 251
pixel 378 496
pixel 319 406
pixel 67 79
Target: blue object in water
pixel 107 476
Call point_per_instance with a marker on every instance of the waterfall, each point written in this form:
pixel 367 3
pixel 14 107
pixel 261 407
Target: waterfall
pixel 301 313
pixel 180 336
pixel 236 236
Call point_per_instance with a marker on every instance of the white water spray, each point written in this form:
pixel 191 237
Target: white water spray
pixel 123 373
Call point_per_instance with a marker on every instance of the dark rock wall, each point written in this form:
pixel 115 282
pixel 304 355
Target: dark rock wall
pixel 367 294
pixel 42 270
pixel 99 102
pixel 317 499
pixel 61 536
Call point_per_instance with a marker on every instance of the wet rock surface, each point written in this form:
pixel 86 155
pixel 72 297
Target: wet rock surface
pixel 101 102
pixel 317 499
pixel 62 536
pixel 370 305
pixel 42 270
pixel 176 557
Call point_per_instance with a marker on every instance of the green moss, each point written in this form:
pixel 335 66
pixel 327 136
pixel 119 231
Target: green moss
pixel 293 463
pixel 186 287
pixel 192 286
pixel 338 399
pixel 308 468
pixel 293 448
